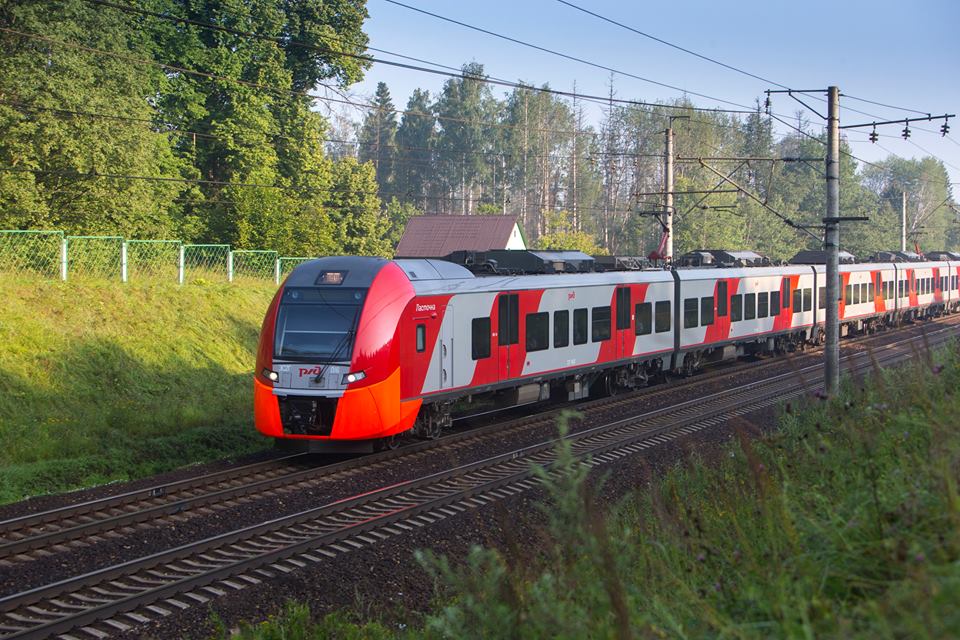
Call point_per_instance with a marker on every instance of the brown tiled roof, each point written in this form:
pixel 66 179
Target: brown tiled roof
pixel 438 236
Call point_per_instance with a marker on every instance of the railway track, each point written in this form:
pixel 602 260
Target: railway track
pixel 23 537
pixel 118 597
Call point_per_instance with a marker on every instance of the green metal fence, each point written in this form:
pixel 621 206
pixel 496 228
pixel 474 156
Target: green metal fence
pixel 32 253
pixel 51 254
pixel 254 264
pixel 205 262
pixel 94 257
pixel 158 259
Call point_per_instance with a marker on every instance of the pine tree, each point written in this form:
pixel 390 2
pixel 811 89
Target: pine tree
pixel 377 137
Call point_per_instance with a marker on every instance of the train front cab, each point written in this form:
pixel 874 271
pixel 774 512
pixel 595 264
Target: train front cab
pixel 328 368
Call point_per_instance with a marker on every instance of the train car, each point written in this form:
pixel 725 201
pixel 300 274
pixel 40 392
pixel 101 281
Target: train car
pixel 355 351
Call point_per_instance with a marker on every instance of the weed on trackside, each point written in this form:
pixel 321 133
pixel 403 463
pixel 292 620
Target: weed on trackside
pixel 843 523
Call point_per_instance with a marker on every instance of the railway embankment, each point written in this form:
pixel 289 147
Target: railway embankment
pixel 843 522
pixel 102 382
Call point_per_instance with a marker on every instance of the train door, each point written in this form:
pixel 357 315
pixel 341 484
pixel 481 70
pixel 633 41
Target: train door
pixel 508 335
pixel 446 347
pixel 624 336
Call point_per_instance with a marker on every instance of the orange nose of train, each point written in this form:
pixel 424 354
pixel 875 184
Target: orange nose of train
pixel 328 363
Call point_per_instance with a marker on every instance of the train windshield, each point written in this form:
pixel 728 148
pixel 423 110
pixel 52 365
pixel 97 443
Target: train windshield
pixel 317 324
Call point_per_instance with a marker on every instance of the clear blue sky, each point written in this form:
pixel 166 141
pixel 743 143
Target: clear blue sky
pixel 896 53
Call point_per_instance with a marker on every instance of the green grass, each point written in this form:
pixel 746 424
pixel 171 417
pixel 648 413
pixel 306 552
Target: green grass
pixel 101 381
pixel 844 523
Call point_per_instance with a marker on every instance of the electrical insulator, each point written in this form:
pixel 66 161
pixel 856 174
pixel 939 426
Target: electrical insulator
pixel 766 105
pixel 874 136
pixel 906 132
pixel 945 129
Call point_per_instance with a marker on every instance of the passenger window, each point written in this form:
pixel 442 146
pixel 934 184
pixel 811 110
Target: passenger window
pixel 538 331
pixel 721 299
pixel 690 315
pixel 762 301
pixel 600 328
pixel 561 328
pixel 509 319
pixel 863 292
pixel 736 308
pixel 623 308
pixel 421 338
pixel 643 317
pixel 579 326
pixel 822 298
pixel 848 295
pixel 663 316
pixel 480 338
pixel 856 294
pixel 749 306
pixel 797 300
pixel 774 303
pixel 706 311
pixel 807 299
pixel 786 293
pixel 871 292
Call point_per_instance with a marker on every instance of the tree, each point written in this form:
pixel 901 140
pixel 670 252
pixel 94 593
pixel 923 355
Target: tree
pixel 377 139
pixel 416 139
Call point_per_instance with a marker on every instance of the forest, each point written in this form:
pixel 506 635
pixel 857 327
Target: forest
pixel 233 122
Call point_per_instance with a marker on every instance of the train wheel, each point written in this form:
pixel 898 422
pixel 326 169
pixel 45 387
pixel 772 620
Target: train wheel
pixel 387 444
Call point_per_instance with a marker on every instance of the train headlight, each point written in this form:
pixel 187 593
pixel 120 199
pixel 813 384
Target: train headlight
pixel 272 376
pixel 355 376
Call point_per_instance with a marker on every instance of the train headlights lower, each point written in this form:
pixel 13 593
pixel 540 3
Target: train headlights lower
pixel 272 376
pixel 355 376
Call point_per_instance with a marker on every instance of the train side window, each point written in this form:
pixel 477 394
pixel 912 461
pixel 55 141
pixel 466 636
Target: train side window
pixel 797 300
pixel 561 328
pixel 579 326
pixel 848 294
pixel 421 338
pixel 663 316
pixel 879 280
pixel 871 292
pixel 762 301
pixel 623 308
pixel 857 290
pixel 538 331
pixel 721 299
pixel 643 317
pixel 863 292
pixel 509 319
pixel 786 293
pixel 774 303
pixel 822 298
pixel 600 327
pixel 736 308
pixel 808 299
pixel 480 338
pixel 884 289
pixel 749 306
pixel 691 308
pixel 706 311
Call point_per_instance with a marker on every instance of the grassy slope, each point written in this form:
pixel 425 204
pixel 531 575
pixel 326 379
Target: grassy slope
pixel 845 523
pixel 102 382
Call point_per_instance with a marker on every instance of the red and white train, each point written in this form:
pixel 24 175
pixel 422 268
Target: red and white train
pixel 361 349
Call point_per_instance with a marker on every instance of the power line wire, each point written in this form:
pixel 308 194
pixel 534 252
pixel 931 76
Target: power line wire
pixel 566 56
pixel 670 44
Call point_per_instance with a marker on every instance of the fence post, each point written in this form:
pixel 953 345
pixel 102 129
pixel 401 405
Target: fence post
pixel 180 265
pixel 230 266
pixel 63 259
pixel 123 261
pixel 276 271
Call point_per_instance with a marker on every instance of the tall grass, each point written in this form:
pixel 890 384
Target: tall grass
pixel 103 382
pixel 843 523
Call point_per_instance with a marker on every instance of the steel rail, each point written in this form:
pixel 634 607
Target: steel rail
pixel 293 541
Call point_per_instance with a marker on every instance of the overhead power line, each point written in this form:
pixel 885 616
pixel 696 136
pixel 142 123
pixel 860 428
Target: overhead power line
pixel 452 73
pixel 670 44
pixel 566 56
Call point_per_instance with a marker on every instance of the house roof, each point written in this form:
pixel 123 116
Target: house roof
pixel 437 236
